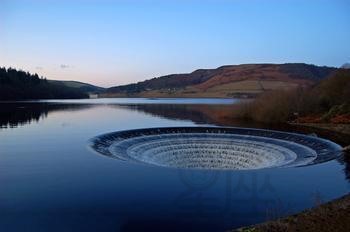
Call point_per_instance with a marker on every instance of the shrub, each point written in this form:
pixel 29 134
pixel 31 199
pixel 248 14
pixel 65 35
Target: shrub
pixel 330 98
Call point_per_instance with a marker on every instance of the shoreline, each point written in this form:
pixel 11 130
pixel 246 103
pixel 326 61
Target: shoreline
pixel 339 128
pixel 330 216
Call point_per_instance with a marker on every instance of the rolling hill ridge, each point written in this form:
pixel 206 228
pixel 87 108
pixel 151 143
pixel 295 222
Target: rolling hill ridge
pixel 245 80
pixel 84 87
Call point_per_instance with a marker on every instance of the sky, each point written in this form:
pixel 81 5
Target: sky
pixel 109 43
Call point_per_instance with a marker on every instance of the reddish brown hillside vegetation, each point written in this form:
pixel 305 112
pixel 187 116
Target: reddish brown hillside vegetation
pixel 328 101
pixel 246 80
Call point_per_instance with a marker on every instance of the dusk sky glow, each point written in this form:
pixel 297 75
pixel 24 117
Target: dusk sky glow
pixel 109 43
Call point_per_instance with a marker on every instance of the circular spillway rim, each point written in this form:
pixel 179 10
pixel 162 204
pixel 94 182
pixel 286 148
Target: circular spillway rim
pixel 102 144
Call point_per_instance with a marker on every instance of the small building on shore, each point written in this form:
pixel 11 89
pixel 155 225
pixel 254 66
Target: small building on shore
pixel 93 95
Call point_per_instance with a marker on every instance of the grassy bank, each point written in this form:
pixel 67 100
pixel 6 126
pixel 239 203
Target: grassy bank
pixel 332 216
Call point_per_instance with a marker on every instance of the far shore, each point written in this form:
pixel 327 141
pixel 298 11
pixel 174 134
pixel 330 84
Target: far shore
pixel 175 96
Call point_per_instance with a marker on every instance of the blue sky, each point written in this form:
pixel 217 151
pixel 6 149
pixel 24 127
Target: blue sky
pixel 117 42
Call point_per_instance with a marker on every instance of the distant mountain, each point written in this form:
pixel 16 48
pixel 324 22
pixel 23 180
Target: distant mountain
pixel 346 66
pixel 85 87
pixel 225 81
pixel 20 85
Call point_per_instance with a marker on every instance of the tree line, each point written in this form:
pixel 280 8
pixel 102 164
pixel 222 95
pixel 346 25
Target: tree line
pixel 20 85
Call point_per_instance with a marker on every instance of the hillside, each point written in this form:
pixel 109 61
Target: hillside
pixel 20 85
pixel 85 87
pixel 326 102
pixel 346 66
pixel 226 81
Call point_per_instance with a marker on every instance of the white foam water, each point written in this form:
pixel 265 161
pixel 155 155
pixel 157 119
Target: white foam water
pixel 215 148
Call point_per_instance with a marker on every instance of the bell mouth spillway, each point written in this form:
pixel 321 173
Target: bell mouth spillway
pixel 215 148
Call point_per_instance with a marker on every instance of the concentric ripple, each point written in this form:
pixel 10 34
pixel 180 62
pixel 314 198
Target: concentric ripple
pixel 215 148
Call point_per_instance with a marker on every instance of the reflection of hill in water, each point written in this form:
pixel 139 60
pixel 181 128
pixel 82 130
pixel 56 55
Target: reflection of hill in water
pixel 175 112
pixel 223 115
pixel 200 114
pixel 18 114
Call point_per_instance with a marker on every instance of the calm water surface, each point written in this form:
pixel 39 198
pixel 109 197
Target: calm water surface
pixel 51 181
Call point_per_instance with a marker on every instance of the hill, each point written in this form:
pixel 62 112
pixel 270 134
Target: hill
pixel 326 102
pixel 346 66
pixel 226 81
pixel 20 85
pixel 85 87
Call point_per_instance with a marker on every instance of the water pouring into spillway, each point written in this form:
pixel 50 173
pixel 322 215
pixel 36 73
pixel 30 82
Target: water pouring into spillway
pixel 215 148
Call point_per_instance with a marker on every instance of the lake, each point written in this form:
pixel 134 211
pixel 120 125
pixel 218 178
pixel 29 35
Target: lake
pixel 52 181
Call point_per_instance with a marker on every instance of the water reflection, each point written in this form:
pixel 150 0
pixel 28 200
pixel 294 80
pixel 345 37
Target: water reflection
pixel 220 115
pixel 18 114
pixel 46 173
pixel 224 115
pixel 13 115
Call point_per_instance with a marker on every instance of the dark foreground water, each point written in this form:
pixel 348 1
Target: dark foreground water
pixel 51 181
